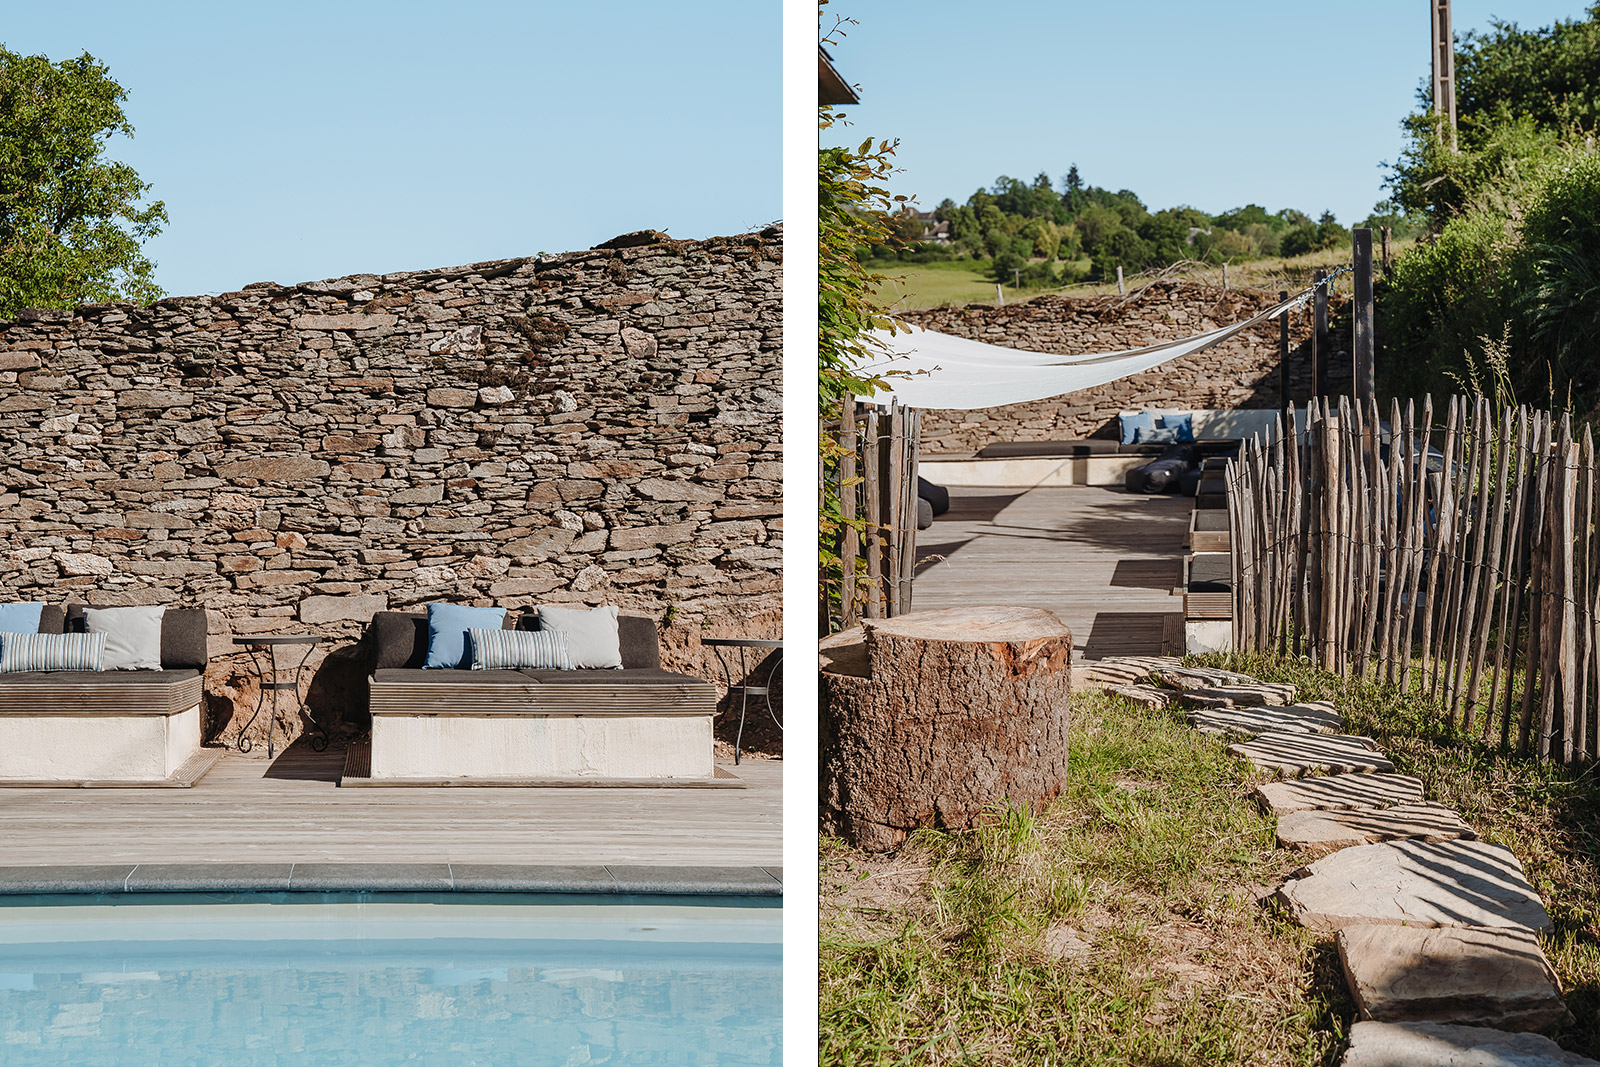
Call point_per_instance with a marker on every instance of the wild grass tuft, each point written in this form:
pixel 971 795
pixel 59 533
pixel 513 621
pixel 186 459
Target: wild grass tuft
pixel 1121 926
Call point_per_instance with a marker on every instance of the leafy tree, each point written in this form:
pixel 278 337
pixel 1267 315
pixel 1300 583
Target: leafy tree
pixel 1329 233
pixel 71 223
pixel 1548 74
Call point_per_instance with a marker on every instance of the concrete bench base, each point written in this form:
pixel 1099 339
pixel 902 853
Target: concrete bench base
pixel 541 747
pixel 70 748
pixel 1045 472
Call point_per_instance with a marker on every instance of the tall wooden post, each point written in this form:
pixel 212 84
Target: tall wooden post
pixel 1319 335
pixel 1386 233
pixel 1361 338
pixel 1444 71
pixel 1283 353
pixel 1120 290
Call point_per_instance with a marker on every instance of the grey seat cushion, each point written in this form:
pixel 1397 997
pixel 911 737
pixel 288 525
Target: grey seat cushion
pixel 183 633
pixel 105 678
pixel 1211 572
pixel 400 640
pixel 625 676
pixel 416 675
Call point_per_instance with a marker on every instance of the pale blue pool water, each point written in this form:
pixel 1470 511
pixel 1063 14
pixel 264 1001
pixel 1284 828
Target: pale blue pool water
pixel 177 981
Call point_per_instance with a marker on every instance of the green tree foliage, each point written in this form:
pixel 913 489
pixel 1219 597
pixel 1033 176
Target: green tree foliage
pixel 1508 275
pixel 1548 75
pixel 1042 235
pixel 72 225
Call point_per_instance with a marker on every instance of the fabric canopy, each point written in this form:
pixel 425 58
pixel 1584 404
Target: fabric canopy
pixel 955 373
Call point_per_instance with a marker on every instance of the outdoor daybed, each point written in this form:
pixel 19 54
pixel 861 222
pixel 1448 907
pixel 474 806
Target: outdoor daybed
pixel 1093 461
pixel 637 724
pixel 108 727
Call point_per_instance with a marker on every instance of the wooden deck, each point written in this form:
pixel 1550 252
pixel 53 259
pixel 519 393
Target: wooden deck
pixel 1105 560
pixel 291 810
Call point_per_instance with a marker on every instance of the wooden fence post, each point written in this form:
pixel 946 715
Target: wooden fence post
pixel 1362 339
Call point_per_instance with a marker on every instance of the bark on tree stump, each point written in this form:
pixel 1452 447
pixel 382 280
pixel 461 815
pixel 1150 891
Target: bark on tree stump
pixel 932 718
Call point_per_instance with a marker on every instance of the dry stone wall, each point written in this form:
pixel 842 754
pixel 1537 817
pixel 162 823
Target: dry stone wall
pixel 598 427
pixel 1242 372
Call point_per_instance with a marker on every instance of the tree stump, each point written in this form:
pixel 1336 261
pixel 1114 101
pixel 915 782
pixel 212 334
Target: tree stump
pixel 933 718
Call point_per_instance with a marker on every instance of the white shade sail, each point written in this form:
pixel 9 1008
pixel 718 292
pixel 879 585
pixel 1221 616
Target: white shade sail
pixel 955 373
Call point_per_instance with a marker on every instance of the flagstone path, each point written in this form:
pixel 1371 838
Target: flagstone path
pixel 1437 931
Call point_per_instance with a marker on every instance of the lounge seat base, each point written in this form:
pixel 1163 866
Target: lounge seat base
pixel 184 777
pixel 358 774
pixel 73 727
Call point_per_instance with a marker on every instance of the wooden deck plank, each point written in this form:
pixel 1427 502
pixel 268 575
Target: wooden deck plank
pixel 1106 561
pixel 291 810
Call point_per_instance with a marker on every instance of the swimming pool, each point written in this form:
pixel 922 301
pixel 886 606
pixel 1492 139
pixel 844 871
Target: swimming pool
pixel 460 979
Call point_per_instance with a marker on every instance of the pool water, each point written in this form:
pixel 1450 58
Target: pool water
pixel 314 980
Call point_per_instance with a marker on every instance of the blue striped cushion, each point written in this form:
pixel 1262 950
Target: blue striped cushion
pixel 500 650
pixel 51 652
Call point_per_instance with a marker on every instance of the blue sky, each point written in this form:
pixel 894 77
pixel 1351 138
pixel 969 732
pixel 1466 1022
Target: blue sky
pixel 294 141
pixel 1211 105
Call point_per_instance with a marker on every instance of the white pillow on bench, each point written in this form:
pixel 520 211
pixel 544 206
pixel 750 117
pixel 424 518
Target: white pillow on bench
pixel 133 636
pixel 592 638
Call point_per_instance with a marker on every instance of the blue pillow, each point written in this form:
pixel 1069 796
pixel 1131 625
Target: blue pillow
pixel 20 618
pixel 1131 424
pixel 447 631
pixel 1184 424
pixel 1167 435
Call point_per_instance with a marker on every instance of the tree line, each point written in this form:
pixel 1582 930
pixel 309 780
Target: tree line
pixel 1038 234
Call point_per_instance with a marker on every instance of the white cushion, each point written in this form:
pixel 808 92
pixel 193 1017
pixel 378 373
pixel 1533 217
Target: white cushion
pixel 133 636
pixel 592 639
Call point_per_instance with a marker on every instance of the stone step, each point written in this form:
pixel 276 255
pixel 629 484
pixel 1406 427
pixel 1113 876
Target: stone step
pixel 1147 695
pixel 1297 755
pixel 1240 695
pixel 1122 669
pixel 1338 791
pixel 1180 677
pixel 1375 1044
pixel 1310 718
pixel 1497 978
pixel 1320 832
pixel 1415 883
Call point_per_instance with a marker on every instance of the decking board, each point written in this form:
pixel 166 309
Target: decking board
pixel 292 810
pixel 1106 561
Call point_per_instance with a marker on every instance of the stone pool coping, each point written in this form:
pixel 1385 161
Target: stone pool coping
pixel 611 879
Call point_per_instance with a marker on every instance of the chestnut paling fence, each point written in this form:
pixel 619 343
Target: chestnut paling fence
pixel 1457 557
pixel 875 479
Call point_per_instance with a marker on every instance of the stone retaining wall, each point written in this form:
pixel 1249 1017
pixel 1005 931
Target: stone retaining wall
pixel 595 427
pixel 1242 372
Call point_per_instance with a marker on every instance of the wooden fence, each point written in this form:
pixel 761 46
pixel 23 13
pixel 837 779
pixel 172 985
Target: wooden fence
pixel 876 482
pixel 1459 561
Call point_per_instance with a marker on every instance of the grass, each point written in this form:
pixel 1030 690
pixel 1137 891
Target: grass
pixel 964 281
pixel 1122 926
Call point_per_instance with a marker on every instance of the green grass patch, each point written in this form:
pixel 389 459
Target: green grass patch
pixel 1548 816
pixel 1122 926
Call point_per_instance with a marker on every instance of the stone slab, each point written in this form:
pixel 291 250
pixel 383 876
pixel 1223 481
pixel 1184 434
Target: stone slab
pixel 1295 755
pixel 1181 677
pixel 1321 832
pixel 1147 695
pixel 1497 978
pixel 1338 791
pixel 1377 1044
pixel 1415 883
pixel 1240 695
pixel 1309 718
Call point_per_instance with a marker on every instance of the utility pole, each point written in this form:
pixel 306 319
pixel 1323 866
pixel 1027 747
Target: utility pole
pixel 1444 71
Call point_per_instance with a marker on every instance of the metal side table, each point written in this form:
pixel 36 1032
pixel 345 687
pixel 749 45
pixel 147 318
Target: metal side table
pixel 744 655
pixel 268 675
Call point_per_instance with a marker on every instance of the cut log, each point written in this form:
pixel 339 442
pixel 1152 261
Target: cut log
pixel 934 718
